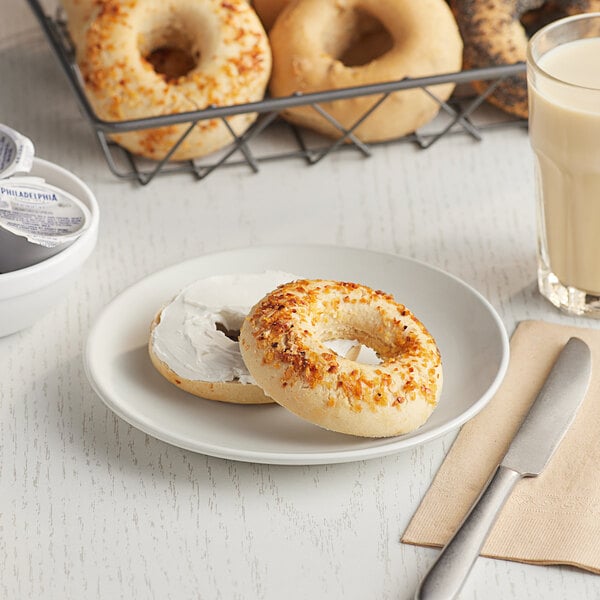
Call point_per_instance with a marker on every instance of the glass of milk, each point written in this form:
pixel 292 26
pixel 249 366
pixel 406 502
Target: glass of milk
pixel 563 71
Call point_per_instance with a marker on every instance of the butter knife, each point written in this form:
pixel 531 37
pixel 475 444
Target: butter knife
pixel 531 449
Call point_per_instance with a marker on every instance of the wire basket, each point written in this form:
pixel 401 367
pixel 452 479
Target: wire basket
pixel 271 138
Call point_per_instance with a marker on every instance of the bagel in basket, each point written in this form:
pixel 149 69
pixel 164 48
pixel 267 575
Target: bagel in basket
pixel 283 343
pixel 496 32
pixel 320 45
pixel 218 53
pixel 78 14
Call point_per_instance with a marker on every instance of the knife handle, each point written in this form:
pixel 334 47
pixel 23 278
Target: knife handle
pixel 449 572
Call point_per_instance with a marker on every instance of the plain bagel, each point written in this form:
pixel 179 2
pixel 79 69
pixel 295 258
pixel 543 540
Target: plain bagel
pixel 218 54
pixel 329 44
pixel 283 340
pixel 496 32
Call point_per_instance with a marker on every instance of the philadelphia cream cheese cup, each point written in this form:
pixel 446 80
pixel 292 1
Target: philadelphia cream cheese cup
pixel 37 221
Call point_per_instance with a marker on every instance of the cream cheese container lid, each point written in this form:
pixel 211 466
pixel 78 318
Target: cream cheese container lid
pixel 16 152
pixel 37 220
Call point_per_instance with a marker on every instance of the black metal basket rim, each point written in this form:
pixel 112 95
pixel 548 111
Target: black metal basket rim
pixel 299 99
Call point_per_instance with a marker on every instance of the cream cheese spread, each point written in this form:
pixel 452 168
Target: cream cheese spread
pixel 191 336
pixel 355 350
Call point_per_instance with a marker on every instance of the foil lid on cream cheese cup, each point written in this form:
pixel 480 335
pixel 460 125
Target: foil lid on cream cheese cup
pixel 37 220
pixel 16 152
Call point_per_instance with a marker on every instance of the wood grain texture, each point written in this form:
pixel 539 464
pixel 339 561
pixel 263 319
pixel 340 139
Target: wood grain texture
pixel 93 508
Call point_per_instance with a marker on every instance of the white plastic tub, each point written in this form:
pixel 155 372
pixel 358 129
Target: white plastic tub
pixel 27 294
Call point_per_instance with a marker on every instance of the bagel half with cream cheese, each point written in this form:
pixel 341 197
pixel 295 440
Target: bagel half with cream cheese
pixel 193 338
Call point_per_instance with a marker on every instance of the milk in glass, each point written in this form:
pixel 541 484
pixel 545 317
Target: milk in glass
pixel 564 121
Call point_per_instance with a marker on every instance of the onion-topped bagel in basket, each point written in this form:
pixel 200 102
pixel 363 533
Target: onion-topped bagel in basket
pixel 194 338
pixel 78 13
pixel 283 343
pixel 145 58
pixel 322 45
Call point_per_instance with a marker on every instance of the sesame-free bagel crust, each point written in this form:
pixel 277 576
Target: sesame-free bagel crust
pixel 310 35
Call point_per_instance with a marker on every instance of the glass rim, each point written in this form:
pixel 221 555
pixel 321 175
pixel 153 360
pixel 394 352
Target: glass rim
pixel 531 62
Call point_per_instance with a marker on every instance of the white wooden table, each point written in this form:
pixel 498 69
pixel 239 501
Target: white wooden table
pixel 93 508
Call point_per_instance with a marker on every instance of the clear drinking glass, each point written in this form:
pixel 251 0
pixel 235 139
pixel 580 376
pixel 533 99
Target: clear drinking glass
pixel 563 72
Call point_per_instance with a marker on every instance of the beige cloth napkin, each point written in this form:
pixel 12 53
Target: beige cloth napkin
pixel 550 519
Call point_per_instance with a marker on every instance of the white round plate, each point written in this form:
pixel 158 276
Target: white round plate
pixel 469 333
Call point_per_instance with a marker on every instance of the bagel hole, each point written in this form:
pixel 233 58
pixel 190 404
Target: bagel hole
pixel 172 62
pixel 232 334
pixel 173 41
pixel 361 40
pixel 352 349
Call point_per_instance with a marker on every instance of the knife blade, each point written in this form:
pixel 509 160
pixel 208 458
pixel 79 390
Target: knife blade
pixel 541 432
